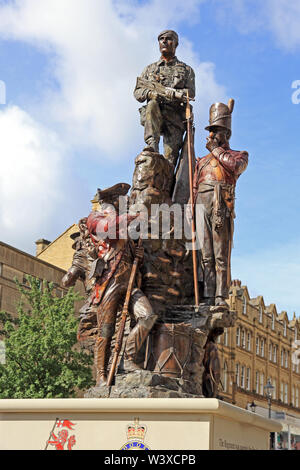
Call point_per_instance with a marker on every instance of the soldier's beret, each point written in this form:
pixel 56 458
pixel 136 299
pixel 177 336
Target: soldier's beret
pixel 169 31
pixel 109 194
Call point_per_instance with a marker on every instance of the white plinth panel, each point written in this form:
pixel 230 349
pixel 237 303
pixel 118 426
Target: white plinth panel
pixel 170 424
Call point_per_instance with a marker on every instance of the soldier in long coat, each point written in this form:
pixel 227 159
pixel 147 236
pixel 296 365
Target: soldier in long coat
pixel 214 184
pixel 105 265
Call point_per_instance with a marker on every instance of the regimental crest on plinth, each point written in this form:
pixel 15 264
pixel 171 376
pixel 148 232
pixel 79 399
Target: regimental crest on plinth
pixel 62 437
pixel 135 437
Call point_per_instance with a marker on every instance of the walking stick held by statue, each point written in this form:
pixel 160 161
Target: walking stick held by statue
pixel 190 159
pixel 119 338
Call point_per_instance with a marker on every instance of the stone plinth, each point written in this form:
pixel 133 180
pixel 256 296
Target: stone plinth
pixel 177 423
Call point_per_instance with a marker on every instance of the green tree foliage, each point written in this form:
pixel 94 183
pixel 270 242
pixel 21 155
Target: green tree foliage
pixel 41 358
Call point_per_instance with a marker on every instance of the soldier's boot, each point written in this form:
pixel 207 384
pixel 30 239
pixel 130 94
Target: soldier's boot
pixel 135 341
pixel 209 274
pixel 220 302
pixel 102 354
pixel 222 283
pixel 209 301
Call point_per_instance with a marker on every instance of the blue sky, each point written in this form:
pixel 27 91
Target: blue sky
pixel 70 123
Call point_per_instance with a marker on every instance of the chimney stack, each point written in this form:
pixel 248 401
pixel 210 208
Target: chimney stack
pixel 41 244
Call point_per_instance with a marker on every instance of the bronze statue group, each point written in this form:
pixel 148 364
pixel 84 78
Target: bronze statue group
pixel 157 288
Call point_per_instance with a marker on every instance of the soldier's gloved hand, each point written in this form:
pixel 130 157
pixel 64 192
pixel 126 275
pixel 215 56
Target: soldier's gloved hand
pixel 212 144
pixel 170 93
pixel 179 95
pixel 139 253
pixel 189 212
pixel 70 278
pixel 152 95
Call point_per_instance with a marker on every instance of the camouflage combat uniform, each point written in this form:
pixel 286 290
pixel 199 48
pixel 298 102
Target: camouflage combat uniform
pixel 162 116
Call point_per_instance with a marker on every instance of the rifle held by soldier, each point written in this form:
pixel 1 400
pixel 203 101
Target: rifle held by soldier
pixel 163 92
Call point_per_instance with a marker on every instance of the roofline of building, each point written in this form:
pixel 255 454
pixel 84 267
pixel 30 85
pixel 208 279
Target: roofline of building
pixel 61 235
pixel 269 309
pixel 35 258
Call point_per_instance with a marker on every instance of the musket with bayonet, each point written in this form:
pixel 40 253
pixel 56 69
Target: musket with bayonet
pixel 189 123
pixel 124 315
pixel 167 93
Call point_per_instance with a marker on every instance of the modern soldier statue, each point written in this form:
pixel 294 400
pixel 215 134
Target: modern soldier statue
pixel 214 184
pixel 165 85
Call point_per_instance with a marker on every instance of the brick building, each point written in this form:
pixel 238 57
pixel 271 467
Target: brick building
pixel 261 346
pixel 15 264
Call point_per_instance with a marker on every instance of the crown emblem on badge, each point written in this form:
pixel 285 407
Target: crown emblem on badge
pixel 135 436
pixel 136 431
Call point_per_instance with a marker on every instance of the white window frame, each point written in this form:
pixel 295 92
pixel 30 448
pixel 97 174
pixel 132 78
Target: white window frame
pixel 260 314
pixel 262 347
pixel 275 353
pixel 243 377
pixel 257 382
pixel 237 374
pixel 244 305
pixel 286 360
pixel 248 379
pixel 249 341
pixel 243 339
pixel 257 345
pixel 270 350
pixel 286 393
pixel 225 337
pixel 225 377
pixel 238 336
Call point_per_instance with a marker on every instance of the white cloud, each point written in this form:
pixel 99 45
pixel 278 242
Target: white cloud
pixel 99 48
pixel 280 17
pixel 284 17
pixel 96 49
pixel 30 177
pixel 272 273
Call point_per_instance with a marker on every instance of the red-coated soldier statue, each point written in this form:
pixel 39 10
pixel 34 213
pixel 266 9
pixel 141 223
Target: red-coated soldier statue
pixel 104 259
pixel 214 184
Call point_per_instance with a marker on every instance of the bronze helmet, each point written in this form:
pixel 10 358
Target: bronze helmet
pixel 220 115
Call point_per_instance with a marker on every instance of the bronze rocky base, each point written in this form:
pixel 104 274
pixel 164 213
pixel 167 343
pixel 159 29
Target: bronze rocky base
pixel 144 384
